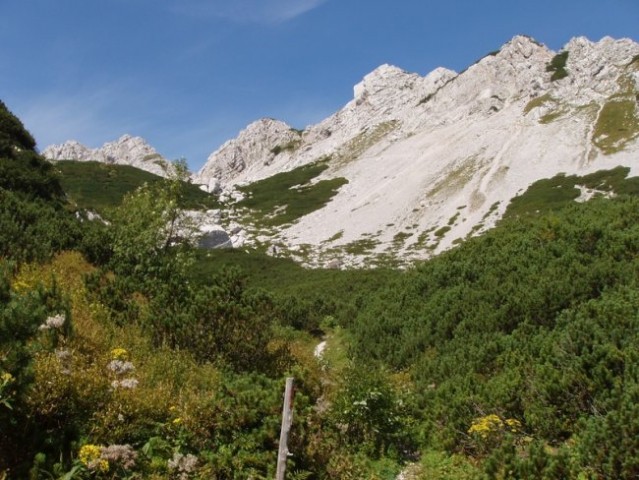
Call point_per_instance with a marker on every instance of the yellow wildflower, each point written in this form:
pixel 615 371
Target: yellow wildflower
pixel 91 456
pixel 20 286
pixel 102 465
pixel 89 453
pixel 513 424
pixel 485 426
pixel 119 354
pixel 6 378
pixel 177 421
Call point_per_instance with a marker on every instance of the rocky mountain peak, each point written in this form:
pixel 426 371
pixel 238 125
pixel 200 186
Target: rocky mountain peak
pixel 595 70
pixel 427 161
pixel 431 160
pixel 516 71
pixel 71 149
pixel 254 148
pixel 521 46
pixel 126 150
pixel 383 78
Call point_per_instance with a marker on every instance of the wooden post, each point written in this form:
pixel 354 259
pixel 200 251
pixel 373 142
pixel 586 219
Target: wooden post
pixel 287 420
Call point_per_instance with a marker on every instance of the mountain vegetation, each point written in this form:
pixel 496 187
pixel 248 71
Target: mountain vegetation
pixel 288 196
pixel 98 186
pixel 127 353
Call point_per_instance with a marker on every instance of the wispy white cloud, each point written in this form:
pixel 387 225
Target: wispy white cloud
pixel 247 11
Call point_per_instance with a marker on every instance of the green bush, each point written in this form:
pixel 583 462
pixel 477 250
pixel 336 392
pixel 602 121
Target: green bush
pixel 34 229
pixel 372 416
pixel 21 314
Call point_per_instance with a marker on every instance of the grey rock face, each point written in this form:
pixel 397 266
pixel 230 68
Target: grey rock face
pixel 255 147
pixel 215 239
pixel 127 150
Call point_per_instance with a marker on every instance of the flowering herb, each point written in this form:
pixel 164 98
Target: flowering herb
pixel 91 457
pixel 119 354
pixel 55 322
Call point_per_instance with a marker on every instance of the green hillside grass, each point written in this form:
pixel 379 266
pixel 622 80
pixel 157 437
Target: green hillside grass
pixel 550 194
pixel 98 186
pixel 288 196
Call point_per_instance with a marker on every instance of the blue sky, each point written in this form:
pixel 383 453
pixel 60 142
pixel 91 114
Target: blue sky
pixel 189 74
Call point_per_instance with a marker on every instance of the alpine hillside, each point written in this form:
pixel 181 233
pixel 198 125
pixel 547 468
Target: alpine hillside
pixel 413 165
pixel 427 161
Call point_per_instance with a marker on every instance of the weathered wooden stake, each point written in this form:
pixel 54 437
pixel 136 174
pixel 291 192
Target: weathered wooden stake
pixel 287 420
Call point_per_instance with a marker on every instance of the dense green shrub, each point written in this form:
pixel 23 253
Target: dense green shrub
pixel 34 229
pixel 372 416
pixel 226 323
pixel 12 133
pixel 33 221
pixel 22 170
pixel 535 321
pixel 22 315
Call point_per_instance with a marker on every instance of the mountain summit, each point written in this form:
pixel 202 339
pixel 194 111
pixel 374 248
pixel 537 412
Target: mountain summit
pixel 415 164
pixel 429 160
pixel 127 150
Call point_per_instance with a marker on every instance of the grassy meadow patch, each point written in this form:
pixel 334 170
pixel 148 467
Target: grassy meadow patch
pixel 98 186
pixel 288 196
pixel 553 193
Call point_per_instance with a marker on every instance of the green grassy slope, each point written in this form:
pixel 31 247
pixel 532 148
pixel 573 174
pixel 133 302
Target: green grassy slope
pixel 96 186
pixel 287 196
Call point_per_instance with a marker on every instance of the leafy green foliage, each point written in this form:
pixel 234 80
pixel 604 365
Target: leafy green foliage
pixel 12 133
pixel 33 221
pixel 22 170
pixel 34 229
pixel 149 251
pixel 371 415
pixel 239 426
pixel 151 256
pixel 20 316
pixel 303 297
pixel 220 315
pixel 437 465
pixel 534 321
pixel 544 195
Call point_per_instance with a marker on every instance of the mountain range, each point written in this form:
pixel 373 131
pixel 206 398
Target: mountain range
pixel 414 164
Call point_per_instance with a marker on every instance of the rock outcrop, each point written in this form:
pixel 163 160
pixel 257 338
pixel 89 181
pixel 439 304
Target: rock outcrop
pixel 255 147
pixel 127 150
